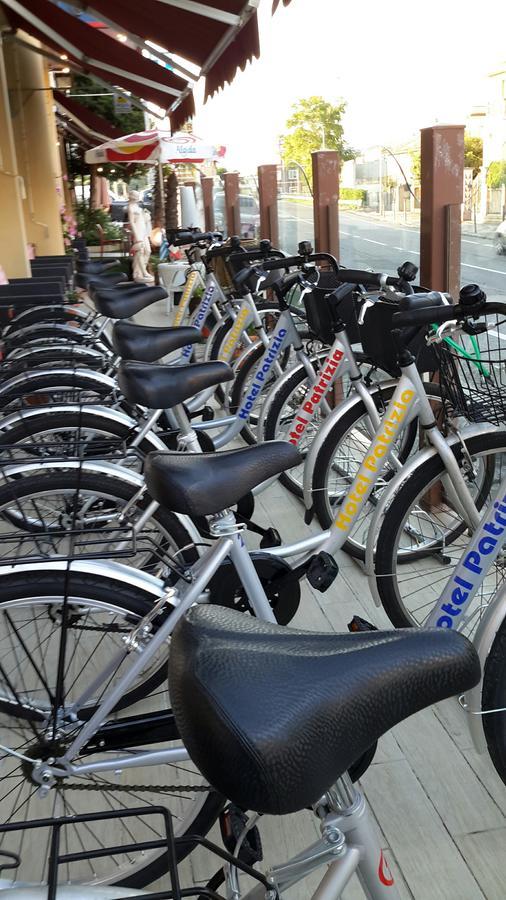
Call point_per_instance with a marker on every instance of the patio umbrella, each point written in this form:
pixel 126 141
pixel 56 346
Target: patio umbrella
pixel 154 147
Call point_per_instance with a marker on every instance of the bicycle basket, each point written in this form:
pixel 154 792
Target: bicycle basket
pixel 322 314
pixel 473 376
pixel 378 344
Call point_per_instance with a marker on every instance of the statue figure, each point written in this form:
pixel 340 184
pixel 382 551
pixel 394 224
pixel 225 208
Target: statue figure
pixel 141 246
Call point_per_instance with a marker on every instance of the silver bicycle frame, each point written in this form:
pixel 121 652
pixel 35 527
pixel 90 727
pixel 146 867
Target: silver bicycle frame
pixel 230 544
pixel 348 844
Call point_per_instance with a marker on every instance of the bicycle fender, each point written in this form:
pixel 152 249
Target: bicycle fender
pixel 104 569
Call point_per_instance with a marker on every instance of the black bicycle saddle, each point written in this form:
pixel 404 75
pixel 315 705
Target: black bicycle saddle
pixel 272 716
pixel 149 343
pixel 117 304
pixel 161 386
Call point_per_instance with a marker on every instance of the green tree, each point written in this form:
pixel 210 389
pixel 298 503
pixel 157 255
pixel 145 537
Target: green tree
pixel 473 153
pixel 313 125
pixel 416 166
pixel 104 106
pixel 496 174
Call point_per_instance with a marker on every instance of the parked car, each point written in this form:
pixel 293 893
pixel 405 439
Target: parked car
pixel 500 238
pixel 249 212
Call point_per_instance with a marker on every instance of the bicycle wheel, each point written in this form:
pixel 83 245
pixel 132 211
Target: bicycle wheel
pixel 67 314
pixel 281 412
pixel 269 315
pixel 57 433
pixel 39 511
pixel 46 388
pixel 99 612
pixel 493 696
pixel 423 534
pixel 341 456
pixel 241 386
pixel 45 333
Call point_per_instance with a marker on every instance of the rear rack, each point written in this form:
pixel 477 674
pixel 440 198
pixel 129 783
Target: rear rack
pixel 168 843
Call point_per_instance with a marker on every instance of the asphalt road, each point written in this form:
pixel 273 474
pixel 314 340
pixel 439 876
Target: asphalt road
pixel 367 243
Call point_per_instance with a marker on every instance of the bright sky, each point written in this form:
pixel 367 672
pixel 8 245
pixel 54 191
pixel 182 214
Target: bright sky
pixel 399 64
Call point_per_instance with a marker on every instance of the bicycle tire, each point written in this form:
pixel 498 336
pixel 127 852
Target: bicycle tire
pixel 388 561
pixel 130 602
pixel 51 385
pixel 76 484
pixel 493 696
pixel 72 424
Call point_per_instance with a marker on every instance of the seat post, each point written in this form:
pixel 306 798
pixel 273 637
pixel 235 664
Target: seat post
pixel 187 436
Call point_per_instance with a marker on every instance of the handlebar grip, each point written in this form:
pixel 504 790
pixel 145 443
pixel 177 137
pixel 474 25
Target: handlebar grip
pixel 186 237
pixel 259 256
pixel 368 279
pixel 427 316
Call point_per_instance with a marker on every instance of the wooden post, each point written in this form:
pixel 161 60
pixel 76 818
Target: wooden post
pixel 268 195
pixel 207 183
pixel 442 185
pixel 325 201
pixel 233 216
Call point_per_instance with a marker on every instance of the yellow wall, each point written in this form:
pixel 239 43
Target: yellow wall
pixel 13 255
pixel 36 141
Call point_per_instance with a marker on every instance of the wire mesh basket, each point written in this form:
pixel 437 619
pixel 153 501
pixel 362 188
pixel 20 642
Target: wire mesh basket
pixel 472 373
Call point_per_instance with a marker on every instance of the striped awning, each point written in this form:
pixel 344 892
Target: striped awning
pixel 216 36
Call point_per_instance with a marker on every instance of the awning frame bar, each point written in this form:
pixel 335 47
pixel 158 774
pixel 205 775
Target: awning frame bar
pixel 79 55
pixel 248 10
pixel 53 57
pixel 135 38
pixel 198 9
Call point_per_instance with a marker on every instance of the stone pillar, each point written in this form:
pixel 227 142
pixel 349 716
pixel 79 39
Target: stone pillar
pixel 268 195
pixel 442 182
pixel 325 201
pixel 13 240
pixel 207 183
pixel 36 139
pixel 232 211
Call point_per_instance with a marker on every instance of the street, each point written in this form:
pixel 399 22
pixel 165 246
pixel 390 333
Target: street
pixel 382 247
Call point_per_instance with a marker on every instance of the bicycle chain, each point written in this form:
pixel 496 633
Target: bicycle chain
pixel 125 788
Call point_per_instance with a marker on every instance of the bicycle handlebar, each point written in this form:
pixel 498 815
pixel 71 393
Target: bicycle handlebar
pixel 368 279
pixel 436 315
pixel 195 237
pixel 301 261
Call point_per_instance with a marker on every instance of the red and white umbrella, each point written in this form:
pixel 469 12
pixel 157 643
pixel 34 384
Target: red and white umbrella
pixel 154 147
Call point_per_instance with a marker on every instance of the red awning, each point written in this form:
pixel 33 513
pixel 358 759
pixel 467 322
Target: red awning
pixel 85 119
pixel 219 36
pixel 82 137
pixel 195 36
pixel 95 51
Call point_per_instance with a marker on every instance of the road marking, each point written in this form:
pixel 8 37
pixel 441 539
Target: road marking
pixel 483 269
pixel 476 243
pixel 296 219
pixel 404 249
pixel 498 334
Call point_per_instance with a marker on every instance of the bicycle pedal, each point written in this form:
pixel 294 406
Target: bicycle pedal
pixel 232 824
pixel 322 571
pixel 271 538
pixel 359 624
